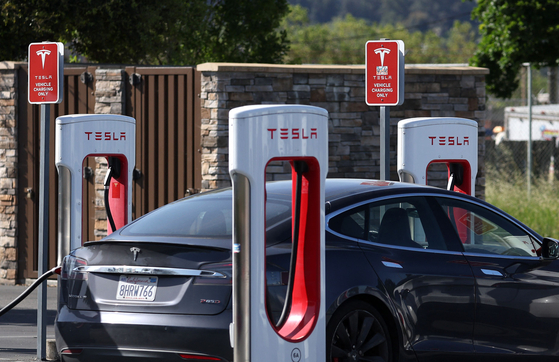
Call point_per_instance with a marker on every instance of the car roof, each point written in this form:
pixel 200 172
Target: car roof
pixel 335 188
pixel 340 188
pixel 340 192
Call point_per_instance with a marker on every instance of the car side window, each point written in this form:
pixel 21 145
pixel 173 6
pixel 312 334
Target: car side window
pixel 482 231
pixel 403 222
pixel 350 223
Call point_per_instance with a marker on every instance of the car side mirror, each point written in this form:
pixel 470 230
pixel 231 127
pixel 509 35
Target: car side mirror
pixel 550 248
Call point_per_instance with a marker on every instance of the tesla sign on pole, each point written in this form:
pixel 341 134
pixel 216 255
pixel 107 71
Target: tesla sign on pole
pixel 45 82
pixel 384 72
pixel 384 87
pixel 46 72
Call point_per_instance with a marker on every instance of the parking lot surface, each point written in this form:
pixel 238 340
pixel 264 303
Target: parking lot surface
pixel 18 327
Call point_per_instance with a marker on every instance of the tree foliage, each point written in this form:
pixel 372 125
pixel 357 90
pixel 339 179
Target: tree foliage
pixel 246 31
pixel 422 15
pixel 514 32
pixel 25 22
pixel 342 40
pixel 174 32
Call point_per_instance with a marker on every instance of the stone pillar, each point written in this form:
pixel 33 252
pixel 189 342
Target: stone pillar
pixel 109 91
pixel 109 99
pixel 8 172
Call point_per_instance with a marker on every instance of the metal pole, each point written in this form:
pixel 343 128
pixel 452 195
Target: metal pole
pixel 529 153
pixel 385 143
pixel 43 231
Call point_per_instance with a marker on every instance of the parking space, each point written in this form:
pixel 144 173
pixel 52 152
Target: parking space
pixel 18 327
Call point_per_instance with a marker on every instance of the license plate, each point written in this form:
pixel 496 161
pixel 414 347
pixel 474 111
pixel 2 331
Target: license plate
pixel 133 287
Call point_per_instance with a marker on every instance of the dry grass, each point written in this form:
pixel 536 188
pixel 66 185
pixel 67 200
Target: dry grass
pixel 539 211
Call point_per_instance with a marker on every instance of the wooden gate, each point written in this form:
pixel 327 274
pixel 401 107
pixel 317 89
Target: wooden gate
pixel 166 106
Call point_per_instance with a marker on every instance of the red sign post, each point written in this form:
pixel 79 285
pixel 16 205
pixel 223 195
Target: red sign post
pixel 46 72
pixel 45 83
pixel 384 72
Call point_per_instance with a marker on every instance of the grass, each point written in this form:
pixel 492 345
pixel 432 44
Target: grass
pixel 539 211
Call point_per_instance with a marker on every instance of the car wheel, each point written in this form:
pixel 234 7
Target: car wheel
pixel 357 332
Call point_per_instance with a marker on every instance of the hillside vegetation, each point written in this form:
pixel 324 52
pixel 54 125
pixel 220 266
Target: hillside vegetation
pixel 422 15
pixel 342 39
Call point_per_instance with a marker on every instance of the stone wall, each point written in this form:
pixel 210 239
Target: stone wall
pixel 8 172
pixel 354 129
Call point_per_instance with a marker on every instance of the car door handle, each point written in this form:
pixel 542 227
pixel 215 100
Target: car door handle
pixel 492 273
pixel 391 264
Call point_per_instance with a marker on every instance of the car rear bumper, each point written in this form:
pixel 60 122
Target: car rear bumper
pixel 107 336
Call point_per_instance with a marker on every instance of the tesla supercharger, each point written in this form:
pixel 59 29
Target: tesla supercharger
pixel 259 135
pixel 448 140
pixel 78 137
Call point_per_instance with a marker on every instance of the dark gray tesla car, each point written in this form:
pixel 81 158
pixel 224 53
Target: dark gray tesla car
pixel 413 274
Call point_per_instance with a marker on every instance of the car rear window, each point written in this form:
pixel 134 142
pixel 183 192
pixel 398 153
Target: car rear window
pixel 203 215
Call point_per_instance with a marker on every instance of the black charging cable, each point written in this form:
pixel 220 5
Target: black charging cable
pixel 300 167
pixel 28 291
pixel 112 172
pixel 456 176
pixel 107 183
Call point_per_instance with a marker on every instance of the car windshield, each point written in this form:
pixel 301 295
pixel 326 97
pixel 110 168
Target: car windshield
pixel 203 215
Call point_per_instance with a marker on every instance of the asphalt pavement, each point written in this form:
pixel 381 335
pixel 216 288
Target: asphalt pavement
pixel 18 327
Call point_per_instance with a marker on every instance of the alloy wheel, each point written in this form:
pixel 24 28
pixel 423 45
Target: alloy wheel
pixel 360 334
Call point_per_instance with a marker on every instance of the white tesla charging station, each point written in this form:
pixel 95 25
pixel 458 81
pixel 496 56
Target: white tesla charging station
pixel 80 136
pixel 258 135
pixel 453 141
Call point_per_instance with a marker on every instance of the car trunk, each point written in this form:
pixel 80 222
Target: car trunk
pixel 150 277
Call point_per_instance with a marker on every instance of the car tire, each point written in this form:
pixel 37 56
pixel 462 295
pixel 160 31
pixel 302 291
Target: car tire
pixel 357 332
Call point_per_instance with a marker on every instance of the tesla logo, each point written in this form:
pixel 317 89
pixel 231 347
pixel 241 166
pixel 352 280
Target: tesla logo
pixel 106 136
pixel 135 251
pixel 116 195
pixel 293 133
pixel 43 53
pixel 382 70
pixel 382 52
pixel 450 140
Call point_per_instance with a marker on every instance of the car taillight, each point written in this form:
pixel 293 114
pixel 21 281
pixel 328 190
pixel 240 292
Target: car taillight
pixel 224 273
pixel 71 351
pixel 69 264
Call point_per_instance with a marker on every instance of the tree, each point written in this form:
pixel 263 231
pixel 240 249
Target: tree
pixel 422 15
pixel 514 32
pixel 174 32
pixel 25 22
pixel 245 31
pixel 342 40
pixel 125 31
